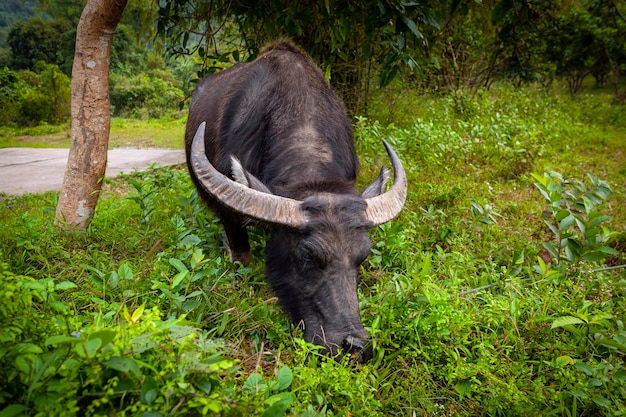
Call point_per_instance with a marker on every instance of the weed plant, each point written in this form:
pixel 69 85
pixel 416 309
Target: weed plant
pixel 500 289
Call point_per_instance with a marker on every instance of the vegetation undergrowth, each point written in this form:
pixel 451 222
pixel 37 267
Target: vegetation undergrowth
pixel 500 290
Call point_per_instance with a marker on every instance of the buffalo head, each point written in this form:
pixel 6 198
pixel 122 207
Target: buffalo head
pixel 316 245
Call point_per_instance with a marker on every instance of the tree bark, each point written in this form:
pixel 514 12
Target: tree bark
pixel 91 116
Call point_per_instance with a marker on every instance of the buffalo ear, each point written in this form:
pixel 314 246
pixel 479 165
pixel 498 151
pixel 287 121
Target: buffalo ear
pixel 377 187
pixel 245 178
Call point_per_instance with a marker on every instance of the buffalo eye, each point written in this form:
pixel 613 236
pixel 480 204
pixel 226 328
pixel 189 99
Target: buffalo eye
pixel 312 256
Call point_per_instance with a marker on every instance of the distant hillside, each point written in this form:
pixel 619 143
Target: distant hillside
pixel 12 11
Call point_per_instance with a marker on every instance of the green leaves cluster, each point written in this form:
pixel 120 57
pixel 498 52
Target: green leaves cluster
pixel 28 98
pixel 275 394
pixel 145 96
pixel 56 362
pixel 344 37
pixel 576 224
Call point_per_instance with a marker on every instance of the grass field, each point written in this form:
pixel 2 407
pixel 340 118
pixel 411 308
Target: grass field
pixel 151 133
pixel 499 290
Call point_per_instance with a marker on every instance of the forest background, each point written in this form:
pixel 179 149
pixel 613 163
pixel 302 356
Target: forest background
pixel 159 51
pixel 499 290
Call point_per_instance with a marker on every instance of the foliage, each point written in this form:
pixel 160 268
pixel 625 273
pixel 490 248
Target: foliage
pixel 344 37
pixel 436 46
pixel 29 97
pixel 576 223
pixel 57 362
pixel 144 95
pixel 37 40
pixel 9 96
pixel 470 312
pixel 10 12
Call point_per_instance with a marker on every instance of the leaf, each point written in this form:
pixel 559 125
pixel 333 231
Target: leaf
pixel 106 336
pixel 570 254
pixel 276 410
pixel 122 364
pixel 542 268
pixel 254 382
pixel 113 279
pixel 594 256
pixel 191 240
pixel 567 222
pixel 611 344
pixel 65 285
pixel 552 228
pixel 566 321
pixel 541 180
pixel 412 27
pixel 125 272
pixel 607 249
pixel 178 264
pixel 594 382
pixel 284 378
pixel 620 376
pixel 204 385
pixel 61 339
pixel 601 401
pixel 137 313
pixel 12 410
pixel 584 367
pixel 179 278
pixel 463 387
pixel 89 348
pixel 59 306
pixel 191 305
pixel 279 403
pixel 550 248
pixel 126 314
pixel 564 360
pixel 596 221
pixel 562 214
pixel 148 390
pixel 28 349
pixel 196 258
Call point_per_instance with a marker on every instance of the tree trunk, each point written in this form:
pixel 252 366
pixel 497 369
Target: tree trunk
pixel 90 113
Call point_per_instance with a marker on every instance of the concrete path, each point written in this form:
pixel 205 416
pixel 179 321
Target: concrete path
pixel 37 170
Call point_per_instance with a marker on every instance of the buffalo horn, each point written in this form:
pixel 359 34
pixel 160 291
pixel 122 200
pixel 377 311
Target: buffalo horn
pixel 263 207
pixel 386 206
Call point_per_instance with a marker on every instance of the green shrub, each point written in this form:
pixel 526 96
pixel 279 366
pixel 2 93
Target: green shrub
pixel 29 98
pixel 10 86
pixel 144 96
pixel 55 361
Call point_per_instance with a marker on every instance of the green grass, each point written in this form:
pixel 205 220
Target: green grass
pixel 470 312
pixel 148 133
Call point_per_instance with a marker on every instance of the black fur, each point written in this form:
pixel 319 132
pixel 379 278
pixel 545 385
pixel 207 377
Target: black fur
pixel 280 118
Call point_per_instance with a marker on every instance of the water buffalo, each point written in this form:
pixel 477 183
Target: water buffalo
pixel 270 142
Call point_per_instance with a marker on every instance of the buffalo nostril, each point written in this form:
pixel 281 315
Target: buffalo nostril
pixel 353 343
pixel 359 349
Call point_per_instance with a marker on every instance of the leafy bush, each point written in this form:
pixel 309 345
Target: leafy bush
pixel 10 85
pixel 29 98
pixel 576 223
pixel 144 96
pixel 57 362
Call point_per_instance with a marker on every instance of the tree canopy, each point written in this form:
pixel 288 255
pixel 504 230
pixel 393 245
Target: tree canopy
pixel 359 44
